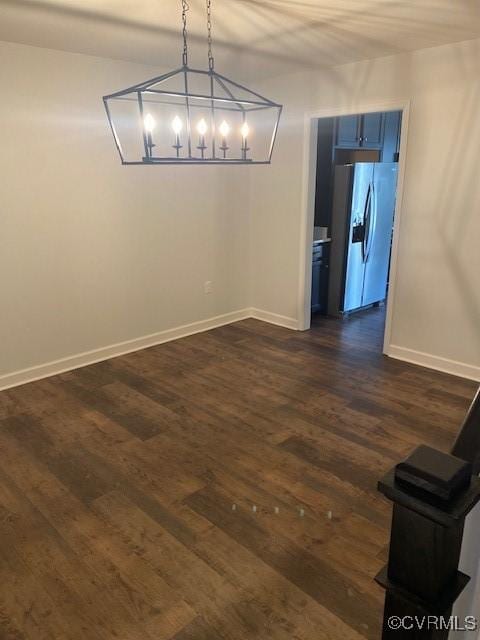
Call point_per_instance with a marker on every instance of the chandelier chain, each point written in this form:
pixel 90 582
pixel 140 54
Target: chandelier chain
pixel 185 8
pixel 211 61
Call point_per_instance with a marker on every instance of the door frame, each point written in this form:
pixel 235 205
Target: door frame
pixel 308 204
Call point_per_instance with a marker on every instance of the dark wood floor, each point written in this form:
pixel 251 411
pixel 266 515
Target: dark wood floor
pixel 219 486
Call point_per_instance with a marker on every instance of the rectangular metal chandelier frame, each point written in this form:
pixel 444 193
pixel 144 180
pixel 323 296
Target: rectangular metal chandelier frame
pixel 140 93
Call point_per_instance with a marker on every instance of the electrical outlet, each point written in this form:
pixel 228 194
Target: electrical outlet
pixel 208 286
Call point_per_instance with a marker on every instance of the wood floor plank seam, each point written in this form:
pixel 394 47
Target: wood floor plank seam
pixel 218 487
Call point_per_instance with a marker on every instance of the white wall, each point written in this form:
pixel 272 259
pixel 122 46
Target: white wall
pixel 93 253
pixel 437 304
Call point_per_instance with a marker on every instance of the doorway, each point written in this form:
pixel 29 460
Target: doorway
pixel 356 166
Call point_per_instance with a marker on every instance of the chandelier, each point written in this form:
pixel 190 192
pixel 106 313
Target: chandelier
pixel 192 116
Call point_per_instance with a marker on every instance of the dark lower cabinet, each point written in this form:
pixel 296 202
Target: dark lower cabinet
pixel 320 278
pixel 316 274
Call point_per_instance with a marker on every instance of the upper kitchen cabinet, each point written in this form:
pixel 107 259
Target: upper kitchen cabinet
pixel 347 131
pixel 359 131
pixel 372 130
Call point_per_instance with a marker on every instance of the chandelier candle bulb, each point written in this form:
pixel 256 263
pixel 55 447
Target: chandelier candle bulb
pixel 245 130
pixel 149 124
pixel 202 130
pixel 177 127
pixel 224 130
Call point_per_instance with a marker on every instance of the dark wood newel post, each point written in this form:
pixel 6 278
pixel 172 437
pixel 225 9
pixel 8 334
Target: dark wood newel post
pixel 432 493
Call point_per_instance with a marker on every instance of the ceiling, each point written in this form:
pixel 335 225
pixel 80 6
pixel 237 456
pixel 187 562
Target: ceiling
pixel 274 35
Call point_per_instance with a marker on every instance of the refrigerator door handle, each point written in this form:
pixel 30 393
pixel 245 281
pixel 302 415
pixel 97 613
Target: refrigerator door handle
pixel 372 219
pixel 366 223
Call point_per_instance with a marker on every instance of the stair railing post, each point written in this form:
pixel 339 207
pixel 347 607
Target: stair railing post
pixel 432 493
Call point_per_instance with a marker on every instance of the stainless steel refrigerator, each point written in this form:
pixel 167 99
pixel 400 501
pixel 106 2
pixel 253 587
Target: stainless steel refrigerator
pixel 362 223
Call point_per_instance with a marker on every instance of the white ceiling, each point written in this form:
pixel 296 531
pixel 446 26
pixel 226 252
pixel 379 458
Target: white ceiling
pixel 277 33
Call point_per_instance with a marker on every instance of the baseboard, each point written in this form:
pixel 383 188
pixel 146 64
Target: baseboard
pixel 445 365
pixel 121 348
pixel 104 353
pixel 274 318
